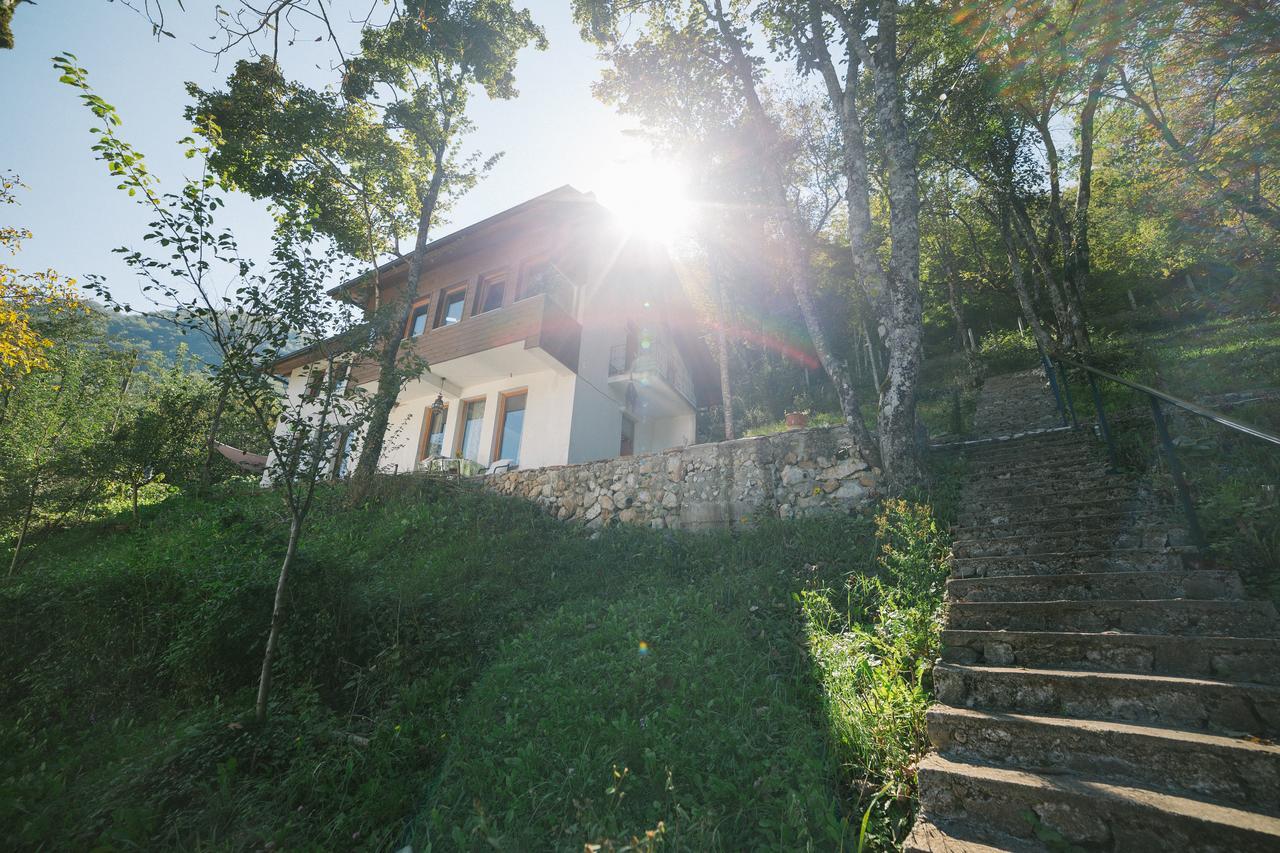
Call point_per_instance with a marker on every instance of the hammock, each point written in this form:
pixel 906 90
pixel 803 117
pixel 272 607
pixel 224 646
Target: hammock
pixel 251 462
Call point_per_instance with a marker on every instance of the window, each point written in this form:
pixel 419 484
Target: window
pixel 469 435
pixel 315 382
pixel 451 303
pixel 510 425
pixel 628 446
pixel 418 322
pixel 346 443
pixel 493 289
pixel 542 277
pixel 341 373
pixel 433 434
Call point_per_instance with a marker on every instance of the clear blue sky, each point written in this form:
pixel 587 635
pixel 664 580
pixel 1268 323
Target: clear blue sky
pixel 554 133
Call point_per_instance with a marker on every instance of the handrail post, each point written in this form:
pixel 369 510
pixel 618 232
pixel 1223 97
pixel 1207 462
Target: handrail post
pixel 1066 391
pixel 1175 469
pixel 1102 421
pixel 1053 382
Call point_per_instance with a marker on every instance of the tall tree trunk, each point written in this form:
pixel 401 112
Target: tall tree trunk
pixel 794 238
pixel 1020 285
pixel 1070 323
pixel 277 621
pixel 389 378
pixel 22 531
pixel 211 439
pixel 1080 260
pixel 722 345
pixel 954 299
pixel 897 421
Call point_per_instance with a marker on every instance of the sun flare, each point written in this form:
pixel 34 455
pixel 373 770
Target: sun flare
pixel 649 196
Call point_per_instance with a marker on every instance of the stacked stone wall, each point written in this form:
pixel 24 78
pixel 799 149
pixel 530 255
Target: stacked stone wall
pixel 787 475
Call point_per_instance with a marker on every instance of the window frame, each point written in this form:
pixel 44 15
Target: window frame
pixel 483 284
pixel 526 269
pixel 443 301
pixel 313 384
pixel 425 441
pixel 420 308
pixel 460 433
pixel 499 423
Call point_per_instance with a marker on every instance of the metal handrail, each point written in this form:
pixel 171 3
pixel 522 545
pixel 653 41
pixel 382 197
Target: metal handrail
pixel 1208 414
pixel 1155 397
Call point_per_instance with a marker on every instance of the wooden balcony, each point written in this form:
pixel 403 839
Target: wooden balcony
pixel 538 322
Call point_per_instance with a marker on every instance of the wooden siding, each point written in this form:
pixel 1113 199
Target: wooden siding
pixel 537 321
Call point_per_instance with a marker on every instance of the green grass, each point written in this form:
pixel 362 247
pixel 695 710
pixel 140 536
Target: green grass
pixel 461 672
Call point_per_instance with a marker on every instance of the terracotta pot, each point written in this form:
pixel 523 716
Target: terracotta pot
pixel 797 420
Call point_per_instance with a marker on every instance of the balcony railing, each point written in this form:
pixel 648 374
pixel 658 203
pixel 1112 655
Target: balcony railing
pixel 538 321
pixel 656 357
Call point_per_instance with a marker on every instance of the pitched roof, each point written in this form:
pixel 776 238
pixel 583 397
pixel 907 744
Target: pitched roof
pixel 561 194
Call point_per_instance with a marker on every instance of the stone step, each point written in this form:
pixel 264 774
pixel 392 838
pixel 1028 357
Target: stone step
pixel 1090 814
pixel 1254 659
pixel 1036 459
pixel 928 836
pixel 1055 445
pixel 1110 560
pixel 1129 616
pixel 1024 494
pixel 1062 543
pixel 1226 707
pixel 1235 771
pixel 1049 472
pixel 1054 511
pixel 1058 523
pixel 1031 441
pixel 1032 457
pixel 1197 584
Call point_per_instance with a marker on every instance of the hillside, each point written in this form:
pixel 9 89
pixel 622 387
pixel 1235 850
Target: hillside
pixel 153 333
pixel 461 672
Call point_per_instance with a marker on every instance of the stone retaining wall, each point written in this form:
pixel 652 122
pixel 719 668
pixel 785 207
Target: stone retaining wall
pixel 790 474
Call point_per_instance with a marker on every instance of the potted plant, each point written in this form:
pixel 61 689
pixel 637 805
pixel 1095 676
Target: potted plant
pixel 798 415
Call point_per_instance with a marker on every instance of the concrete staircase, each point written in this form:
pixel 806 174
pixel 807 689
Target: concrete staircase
pixel 1097 690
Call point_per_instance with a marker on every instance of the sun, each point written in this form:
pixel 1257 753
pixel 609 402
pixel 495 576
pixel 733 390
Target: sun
pixel 649 196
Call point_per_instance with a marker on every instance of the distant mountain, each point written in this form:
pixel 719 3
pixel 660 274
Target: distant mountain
pixel 154 333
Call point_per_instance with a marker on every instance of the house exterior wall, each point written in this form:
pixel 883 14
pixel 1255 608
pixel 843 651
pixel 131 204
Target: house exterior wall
pixel 544 439
pixel 558 348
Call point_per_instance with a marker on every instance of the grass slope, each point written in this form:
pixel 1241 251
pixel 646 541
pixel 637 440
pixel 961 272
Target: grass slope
pixel 458 672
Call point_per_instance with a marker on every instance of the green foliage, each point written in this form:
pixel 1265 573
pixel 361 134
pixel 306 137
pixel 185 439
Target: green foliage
pixel 457 671
pixel 1007 351
pixel 873 648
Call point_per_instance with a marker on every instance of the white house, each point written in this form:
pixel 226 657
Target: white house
pixel 552 337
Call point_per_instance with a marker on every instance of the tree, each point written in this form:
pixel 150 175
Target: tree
pixel 805 31
pixel 158 438
pixel 29 302
pixel 691 75
pixel 334 162
pixel 53 423
pixel 264 315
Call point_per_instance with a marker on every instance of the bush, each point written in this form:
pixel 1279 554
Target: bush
pixel 875 659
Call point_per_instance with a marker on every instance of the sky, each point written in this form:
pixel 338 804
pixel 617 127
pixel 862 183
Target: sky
pixel 554 133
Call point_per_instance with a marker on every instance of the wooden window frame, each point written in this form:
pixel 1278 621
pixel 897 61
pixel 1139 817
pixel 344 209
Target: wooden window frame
pixel 421 306
pixel 498 425
pixel 460 432
pixel 314 381
pixel 526 266
pixel 425 440
pixel 483 282
pixel 442 300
